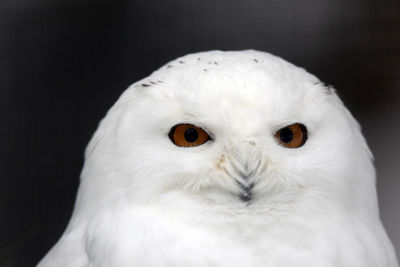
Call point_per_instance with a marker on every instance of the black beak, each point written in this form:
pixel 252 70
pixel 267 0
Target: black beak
pixel 246 191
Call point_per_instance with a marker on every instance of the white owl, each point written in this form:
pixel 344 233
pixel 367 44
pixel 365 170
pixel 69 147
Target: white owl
pixel 226 159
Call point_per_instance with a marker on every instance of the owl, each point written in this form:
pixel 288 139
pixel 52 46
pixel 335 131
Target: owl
pixel 234 158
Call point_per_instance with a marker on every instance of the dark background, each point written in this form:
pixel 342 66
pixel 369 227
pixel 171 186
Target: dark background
pixel 64 63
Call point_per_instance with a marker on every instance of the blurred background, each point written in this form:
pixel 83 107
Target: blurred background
pixel 63 63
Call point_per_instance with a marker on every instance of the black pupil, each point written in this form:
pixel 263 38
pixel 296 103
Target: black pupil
pixel 286 135
pixel 191 135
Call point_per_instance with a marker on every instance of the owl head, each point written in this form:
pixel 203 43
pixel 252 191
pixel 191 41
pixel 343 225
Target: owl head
pixel 237 130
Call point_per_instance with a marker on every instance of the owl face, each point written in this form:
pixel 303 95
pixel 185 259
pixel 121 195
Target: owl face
pixel 234 129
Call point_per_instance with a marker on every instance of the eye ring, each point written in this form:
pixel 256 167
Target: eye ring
pixel 292 136
pixel 188 135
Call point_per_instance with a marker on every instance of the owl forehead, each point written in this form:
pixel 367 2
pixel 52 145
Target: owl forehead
pixel 245 83
pixel 243 89
pixel 246 74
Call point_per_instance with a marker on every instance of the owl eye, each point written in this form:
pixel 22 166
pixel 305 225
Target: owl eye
pixel 292 136
pixel 187 135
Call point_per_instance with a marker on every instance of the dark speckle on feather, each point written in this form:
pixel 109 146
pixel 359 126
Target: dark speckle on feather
pixel 328 88
pixel 145 85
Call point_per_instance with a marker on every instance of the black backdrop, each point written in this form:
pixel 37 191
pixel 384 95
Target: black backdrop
pixel 63 63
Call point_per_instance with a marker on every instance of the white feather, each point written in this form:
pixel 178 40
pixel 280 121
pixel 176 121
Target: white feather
pixel 144 201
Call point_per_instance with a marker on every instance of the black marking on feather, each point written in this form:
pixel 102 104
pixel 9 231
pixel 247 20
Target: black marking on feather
pixel 204 69
pixel 160 81
pixel 255 60
pixel 153 82
pixel 328 88
pixel 198 58
pixel 215 62
pixel 169 66
pixel 181 62
pixel 145 85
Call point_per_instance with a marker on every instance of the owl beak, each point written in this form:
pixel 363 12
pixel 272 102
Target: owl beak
pixel 243 179
pixel 246 191
pixel 242 161
pixel 243 166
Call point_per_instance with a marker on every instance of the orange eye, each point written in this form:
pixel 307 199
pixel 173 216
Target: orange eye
pixel 188 135
pixel 292 136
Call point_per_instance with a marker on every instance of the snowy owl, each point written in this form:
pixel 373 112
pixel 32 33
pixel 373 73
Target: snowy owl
pixel 226 159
